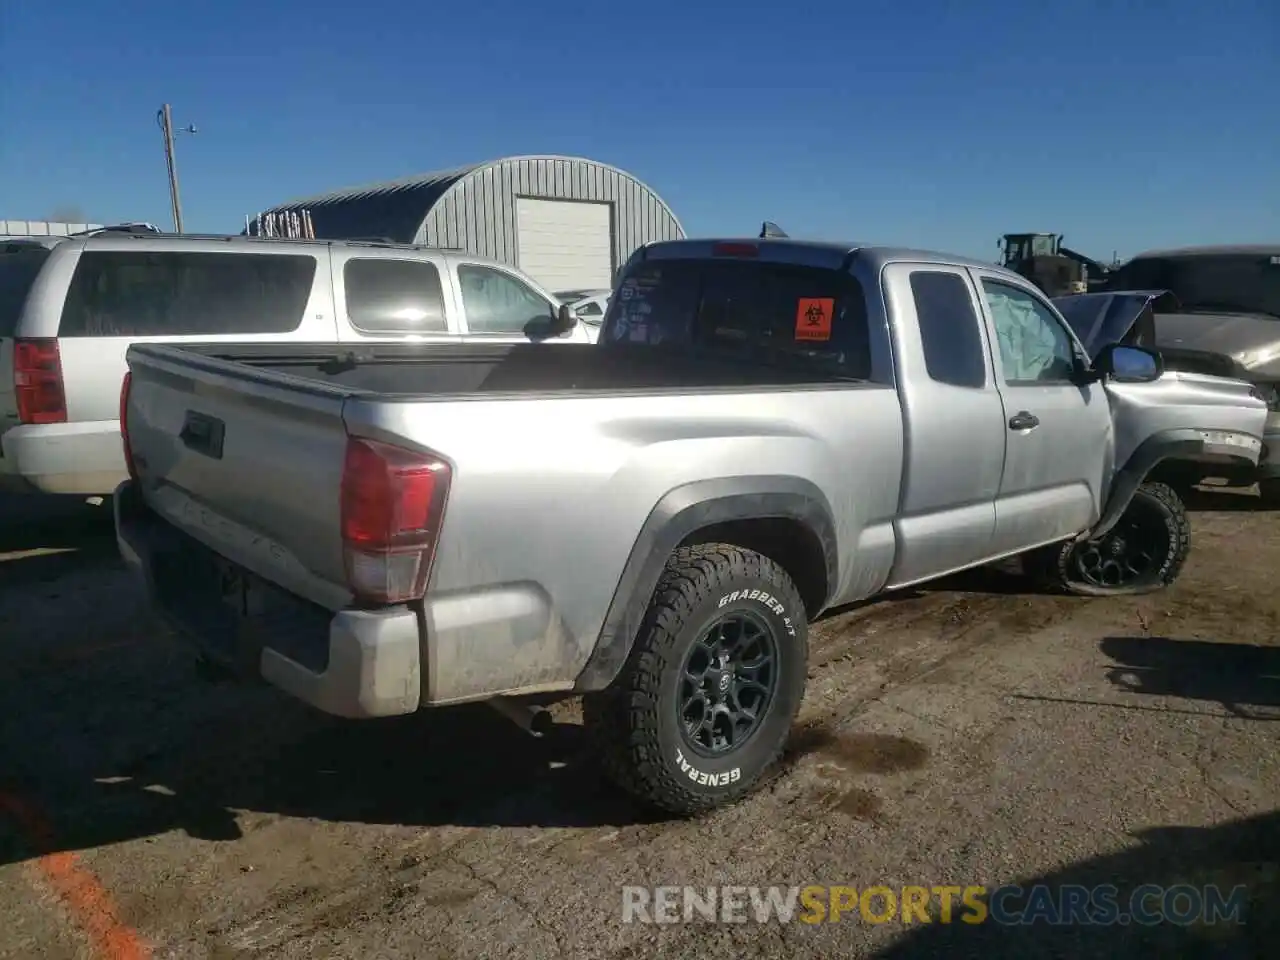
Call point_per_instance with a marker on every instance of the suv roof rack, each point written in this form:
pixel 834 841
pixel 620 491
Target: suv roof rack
pixel 146 230
pixel 131 227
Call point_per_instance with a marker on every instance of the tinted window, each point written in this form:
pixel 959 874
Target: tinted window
pixel 19 265
pixel 948 329
pixel 394 296
pixel 173 294
pixel 771 311
pixel 497 302
pixel 1242 283
pixel 1034 346
pixel 589 309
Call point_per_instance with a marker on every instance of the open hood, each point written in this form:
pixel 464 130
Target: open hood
pixel 1099 319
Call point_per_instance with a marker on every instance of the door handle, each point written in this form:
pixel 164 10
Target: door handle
pixel 203 434
pixel 1022 420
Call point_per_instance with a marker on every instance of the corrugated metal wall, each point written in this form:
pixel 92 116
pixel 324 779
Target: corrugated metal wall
pixel 42 228
pixel 479 213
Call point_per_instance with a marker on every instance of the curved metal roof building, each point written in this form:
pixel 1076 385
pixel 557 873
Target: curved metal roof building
pixel 566 221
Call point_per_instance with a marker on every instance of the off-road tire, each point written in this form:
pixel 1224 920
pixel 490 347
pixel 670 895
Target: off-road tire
pixel 1269 492
pixel 635 722
pixel 1053 567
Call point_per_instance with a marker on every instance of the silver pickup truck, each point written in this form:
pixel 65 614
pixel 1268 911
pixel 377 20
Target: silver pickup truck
pixel 766 430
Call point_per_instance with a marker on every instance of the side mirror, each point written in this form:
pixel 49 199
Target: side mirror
pixel 1128 364
pixel 565 321
pixel 551 325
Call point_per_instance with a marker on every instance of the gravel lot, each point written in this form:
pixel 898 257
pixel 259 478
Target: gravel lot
pixel 969 734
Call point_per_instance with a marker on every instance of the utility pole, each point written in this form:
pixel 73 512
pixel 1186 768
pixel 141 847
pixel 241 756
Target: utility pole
pixel 164 117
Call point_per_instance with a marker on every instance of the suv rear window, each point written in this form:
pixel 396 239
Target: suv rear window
pixel 762 310
pixel 19 265
pixel 144 294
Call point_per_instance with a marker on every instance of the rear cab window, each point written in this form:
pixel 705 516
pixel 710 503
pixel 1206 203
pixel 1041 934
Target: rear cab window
pixel 761 310
pixel 20 264
pixel 177 293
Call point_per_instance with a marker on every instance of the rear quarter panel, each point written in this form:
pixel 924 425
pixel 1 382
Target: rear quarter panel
pixel 549 497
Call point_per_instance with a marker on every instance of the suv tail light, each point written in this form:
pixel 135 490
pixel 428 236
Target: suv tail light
pixel 124 424
pixel 392 503
pixel 37 381
pixel 731 249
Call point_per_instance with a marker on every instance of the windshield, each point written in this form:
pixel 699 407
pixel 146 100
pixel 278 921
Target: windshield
pixel 1229 283
pixel 1043 246
pixel 19 264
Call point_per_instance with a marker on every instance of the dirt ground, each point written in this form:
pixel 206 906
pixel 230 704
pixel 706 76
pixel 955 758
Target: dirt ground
pixel 973 733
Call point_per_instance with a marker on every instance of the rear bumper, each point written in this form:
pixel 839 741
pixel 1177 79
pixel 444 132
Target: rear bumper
pixel 85 459
pixel 352 663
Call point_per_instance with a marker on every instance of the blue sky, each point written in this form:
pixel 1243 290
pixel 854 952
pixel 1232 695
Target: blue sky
pixel 1124 125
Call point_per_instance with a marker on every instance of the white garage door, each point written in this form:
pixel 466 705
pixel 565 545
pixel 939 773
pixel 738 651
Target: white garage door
pixel 565 244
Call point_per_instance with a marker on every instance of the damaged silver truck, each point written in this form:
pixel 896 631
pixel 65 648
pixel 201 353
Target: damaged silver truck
pixel 1206 309
pixel 767 429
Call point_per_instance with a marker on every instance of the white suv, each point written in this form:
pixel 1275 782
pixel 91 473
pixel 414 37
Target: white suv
pixel 70 307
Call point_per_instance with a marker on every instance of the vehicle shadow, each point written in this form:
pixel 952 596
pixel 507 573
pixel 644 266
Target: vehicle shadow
pixel 1004 579
pixel 1244 853
pixel 1211 499
pixel 1235 675
pixel 113 777
pixel 41 538
pixel 251 750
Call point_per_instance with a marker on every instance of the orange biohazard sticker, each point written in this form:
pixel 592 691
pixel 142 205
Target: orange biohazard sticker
pixel 813 318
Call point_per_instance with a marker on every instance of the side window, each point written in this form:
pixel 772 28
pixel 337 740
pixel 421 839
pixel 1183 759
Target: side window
pixel 394 296
pixel 953 351
pixel 19 267
pixel 127 293
pixel 1034 346
pixel 497 302
pixel 589 309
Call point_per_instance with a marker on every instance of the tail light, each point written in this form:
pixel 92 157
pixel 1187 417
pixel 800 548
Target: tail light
pixel 124 424
pixel 730 249
pixel 37 381
pixel 392 504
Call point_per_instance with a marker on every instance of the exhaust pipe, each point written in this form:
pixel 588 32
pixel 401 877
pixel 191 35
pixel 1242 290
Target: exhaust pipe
pixel 534 720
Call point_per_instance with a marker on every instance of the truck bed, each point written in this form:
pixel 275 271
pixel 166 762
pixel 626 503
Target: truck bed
pixel 451 370
pixel 242 446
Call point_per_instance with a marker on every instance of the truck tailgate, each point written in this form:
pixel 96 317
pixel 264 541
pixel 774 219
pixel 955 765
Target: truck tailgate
pixel 248 462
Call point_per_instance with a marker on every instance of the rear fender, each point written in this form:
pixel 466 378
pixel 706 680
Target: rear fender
pixel 678 515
